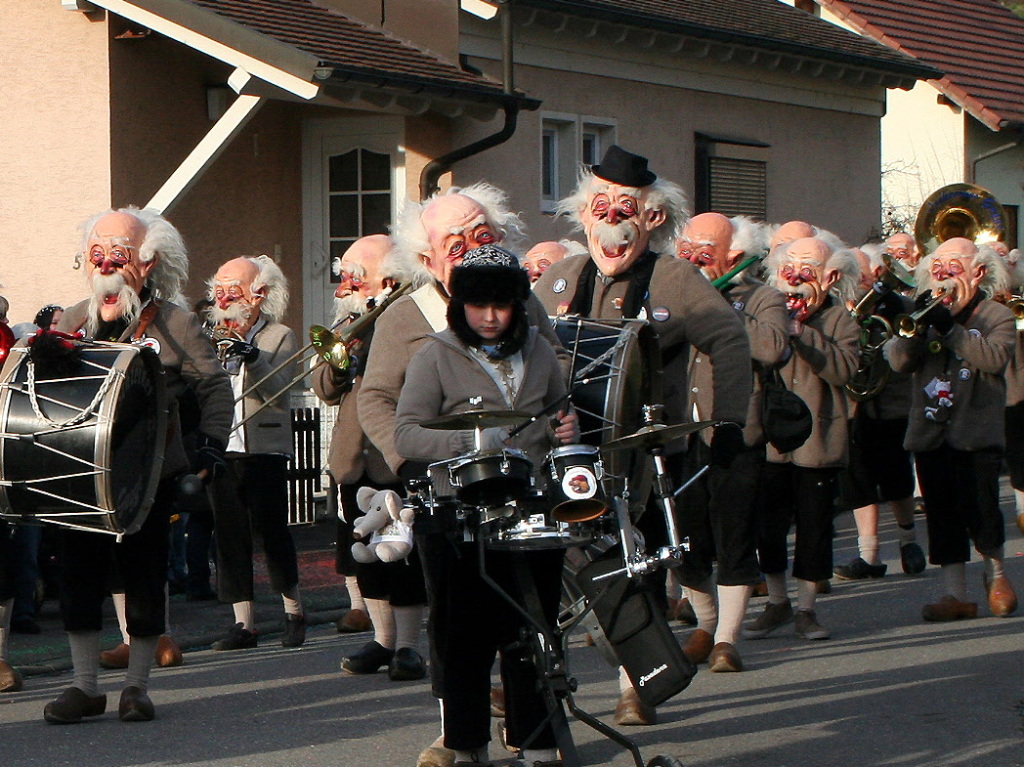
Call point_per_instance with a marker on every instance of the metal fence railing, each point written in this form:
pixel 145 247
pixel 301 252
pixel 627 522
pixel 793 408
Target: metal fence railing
pixel 308 480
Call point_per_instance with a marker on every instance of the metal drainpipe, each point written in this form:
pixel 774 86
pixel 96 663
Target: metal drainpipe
pixel 992 153
pixel 436 168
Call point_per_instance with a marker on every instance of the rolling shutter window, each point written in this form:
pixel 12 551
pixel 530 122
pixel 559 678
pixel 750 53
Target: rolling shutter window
pixel 738 187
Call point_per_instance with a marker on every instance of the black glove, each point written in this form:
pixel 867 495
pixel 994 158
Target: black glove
pixel 248 352
pixel 726 444
pixel 939 318
pixel 209 456
pixel 889 307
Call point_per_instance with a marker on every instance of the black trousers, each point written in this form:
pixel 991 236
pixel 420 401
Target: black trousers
pixel 961 499
pixel 879 469
pixel 470 622
pixel 91 561
pixel 1015 444
pixel 718 513
pixel 8 573
pixel 250 504
pixel 399 583
pixel 804 496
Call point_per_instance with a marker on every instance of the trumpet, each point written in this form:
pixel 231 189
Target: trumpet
pixel 328 348
pixel 909 325
pixel 221 337
pixel 1016 305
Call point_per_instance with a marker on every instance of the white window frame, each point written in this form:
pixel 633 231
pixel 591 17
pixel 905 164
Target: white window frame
pixel 566 131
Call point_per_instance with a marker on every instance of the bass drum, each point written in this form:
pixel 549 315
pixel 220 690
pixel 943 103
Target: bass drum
pixel 82 447
pixel 620 361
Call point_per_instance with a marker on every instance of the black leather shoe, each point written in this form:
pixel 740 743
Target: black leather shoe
pixel 237 638
pixel 25 626
pixel 406 666
pixel 72 705
pixel 859 570
pixel 294 631
pixel 135 706
pixel 912 558
pixel 368 659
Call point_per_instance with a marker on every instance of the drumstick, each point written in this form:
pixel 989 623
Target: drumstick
pixel 551 408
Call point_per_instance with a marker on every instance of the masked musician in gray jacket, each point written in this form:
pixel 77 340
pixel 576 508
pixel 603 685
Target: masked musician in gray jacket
pixel 136 263
pixel 249 298
pixel 630 219
pixel 800 485
pixel 958 357
pixel 718 513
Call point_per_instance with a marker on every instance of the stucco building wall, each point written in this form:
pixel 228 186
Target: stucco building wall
pixel 54 148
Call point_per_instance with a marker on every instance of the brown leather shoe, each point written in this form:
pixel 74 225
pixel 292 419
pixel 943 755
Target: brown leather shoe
pixel 724 657
pixel 630 711
pixel 354 621
pixel 684 613
pixel 949 608
pixel 1002 600
pixel 72 705
pixel 10 679
pixel 698 646
pixel 116 658
pixel 760 589
pixel 135 706
pixel 1020 523
pixel 436 755
pixel 167 652
pixel 497 701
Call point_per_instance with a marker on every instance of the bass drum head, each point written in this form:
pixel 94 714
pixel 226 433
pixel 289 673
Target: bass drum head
pixel 138 435
pixel 611 405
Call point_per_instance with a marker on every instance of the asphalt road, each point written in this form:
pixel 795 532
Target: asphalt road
pixel 888 690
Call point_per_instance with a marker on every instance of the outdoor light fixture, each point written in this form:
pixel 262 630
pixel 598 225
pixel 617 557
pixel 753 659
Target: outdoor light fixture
pixel 485 10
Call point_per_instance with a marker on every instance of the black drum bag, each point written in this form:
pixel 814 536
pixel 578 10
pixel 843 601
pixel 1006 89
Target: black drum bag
pixel 637 629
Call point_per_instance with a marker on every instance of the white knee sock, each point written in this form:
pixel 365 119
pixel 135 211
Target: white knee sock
pixel 702 600
pixel 292 601
pixel 120 610
pixel 994 565
pixel 383 618
pixel 140 662
pixel 355 594
pixel 624 683
pixel 867 545
pixel 85 657
pixel 732 606
pixel 954 580
pixel 473 756
pixel 1018 501
pixel 806 593
pixel 408 624
pixel 245 613
pixel 778 591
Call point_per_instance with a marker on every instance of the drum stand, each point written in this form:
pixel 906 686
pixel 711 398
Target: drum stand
pixel 547 647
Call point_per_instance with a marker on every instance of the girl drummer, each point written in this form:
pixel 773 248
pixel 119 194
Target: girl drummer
pixel 490 354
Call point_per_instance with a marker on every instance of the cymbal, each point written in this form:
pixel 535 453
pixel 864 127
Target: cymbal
pixel 473 419
pixel 656 435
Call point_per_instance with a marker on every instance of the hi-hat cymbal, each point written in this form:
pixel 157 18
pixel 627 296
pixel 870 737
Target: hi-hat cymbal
pixel 472 419
pixel 656 435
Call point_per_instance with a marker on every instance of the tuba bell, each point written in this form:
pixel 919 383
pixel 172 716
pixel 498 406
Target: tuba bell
pixel 959 210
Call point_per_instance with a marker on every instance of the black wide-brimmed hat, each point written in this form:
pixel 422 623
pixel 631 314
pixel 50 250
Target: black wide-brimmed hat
pixel 624 168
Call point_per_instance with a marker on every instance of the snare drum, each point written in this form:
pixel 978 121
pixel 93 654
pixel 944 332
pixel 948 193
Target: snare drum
pixel 491 479
pixel 532 526
pixel 85 449
pixel 575 474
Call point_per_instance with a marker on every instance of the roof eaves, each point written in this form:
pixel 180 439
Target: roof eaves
pixel 271 60
pixel 374 78
pixel 912 67
pixel 955 93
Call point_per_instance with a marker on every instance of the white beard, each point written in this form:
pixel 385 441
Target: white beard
pixel 354 303
pixel 237 313
pixel 128 302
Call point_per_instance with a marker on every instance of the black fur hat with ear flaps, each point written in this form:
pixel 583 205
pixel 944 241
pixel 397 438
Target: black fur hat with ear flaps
pixel 490 275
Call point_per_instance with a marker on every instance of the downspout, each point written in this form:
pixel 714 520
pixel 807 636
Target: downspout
pixel 433 171
pixel 992 153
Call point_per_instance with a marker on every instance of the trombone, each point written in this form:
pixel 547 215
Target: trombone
pixel 909 325
pixel 331 348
